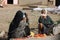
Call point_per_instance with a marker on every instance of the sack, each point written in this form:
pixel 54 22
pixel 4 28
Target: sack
pixel 56 30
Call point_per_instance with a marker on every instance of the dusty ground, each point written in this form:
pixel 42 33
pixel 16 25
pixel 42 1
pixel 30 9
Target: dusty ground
pixel 7 14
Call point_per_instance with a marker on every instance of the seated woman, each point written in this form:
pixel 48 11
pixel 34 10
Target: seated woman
pixel 19 26
pixel 45 23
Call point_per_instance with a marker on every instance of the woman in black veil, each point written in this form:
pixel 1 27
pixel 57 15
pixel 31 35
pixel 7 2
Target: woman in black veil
pixel 19 26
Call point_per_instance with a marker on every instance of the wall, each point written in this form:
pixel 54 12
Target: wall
pixel 5 2
pixel 44 2
pixel 15 2
pixel 24 2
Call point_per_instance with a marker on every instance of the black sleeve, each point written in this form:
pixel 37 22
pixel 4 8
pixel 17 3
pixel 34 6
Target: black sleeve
pixel 40 20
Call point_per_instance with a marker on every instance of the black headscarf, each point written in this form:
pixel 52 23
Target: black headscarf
pixel 15 24
pixel 16 20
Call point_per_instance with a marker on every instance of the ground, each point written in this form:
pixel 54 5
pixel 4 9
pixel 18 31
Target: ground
pixel 8 12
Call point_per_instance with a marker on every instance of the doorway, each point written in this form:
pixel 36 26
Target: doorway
pixel 10 1
pixel 57 2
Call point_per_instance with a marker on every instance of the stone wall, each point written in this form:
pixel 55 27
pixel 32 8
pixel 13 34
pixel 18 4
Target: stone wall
pixel 40 2
pixel 22 2
pixel 25 2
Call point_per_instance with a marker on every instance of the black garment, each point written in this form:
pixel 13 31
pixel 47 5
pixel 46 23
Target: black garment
pixel 16 29
pixel 47 25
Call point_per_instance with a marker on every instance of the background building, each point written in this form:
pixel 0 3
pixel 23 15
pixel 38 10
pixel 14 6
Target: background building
pixel 28 2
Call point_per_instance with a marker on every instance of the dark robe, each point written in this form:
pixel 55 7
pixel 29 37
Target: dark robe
pixel 14 27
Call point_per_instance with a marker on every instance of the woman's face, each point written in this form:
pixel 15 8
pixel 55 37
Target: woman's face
pixel 24 19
